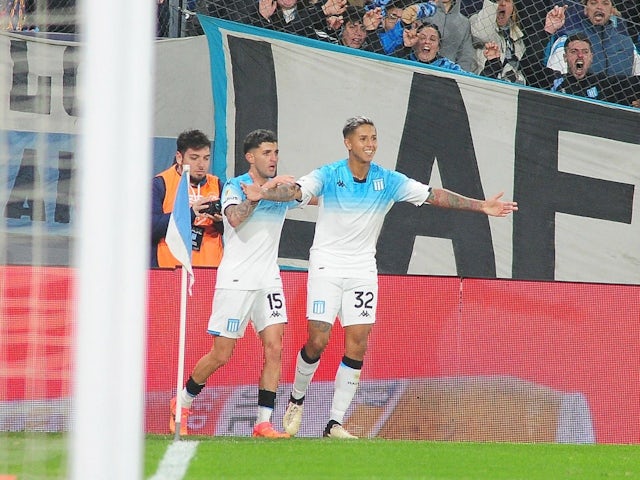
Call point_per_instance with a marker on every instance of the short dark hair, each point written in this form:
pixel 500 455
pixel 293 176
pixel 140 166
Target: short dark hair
pixel 578 37
pixel 426 24
pixel 257 137
pixel 194 139
pixel 355 122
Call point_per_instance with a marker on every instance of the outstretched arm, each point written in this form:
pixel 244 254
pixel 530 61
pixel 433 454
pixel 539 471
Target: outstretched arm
pixel 493 206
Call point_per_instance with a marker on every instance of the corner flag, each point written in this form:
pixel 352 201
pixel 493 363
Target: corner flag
pixel 178 240
pixel 178 235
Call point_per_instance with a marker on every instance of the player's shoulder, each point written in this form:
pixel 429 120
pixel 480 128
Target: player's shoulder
pixel 244 178
pixel 377 168
pixel 330 170
pixel 376 171
pixel 337 165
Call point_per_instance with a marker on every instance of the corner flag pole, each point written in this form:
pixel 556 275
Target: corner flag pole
pixel 179 241
pixel 181 349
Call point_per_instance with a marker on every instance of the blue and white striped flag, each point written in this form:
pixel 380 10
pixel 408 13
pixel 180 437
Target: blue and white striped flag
pixel 178 236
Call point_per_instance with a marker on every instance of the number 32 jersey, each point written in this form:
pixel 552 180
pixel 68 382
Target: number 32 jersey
pixel 351 214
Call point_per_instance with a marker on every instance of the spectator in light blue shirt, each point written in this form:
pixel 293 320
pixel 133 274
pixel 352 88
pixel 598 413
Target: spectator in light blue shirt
pixel 396 19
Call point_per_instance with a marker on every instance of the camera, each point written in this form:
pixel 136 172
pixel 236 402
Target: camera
pixel 213 208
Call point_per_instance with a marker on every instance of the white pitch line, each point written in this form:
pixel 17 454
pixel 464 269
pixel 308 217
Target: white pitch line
pixel 176 459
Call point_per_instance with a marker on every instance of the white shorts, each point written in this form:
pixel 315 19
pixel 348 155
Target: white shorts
pixel 234 309
pixel 353 300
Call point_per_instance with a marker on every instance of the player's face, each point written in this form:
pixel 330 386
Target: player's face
pixel 362 143
pixel 598 11
pixel 504 13
pixel 198 160
pixel 264 160
pixel 579 58
pixel 428 45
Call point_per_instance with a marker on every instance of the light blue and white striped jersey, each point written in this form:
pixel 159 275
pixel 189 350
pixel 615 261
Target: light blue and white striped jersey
pixel 250 258
pixel 351 215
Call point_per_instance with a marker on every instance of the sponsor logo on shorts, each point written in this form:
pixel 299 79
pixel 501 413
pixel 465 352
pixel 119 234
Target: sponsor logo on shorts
pixel 275 314
pixel 233 325
pixel 318 306
pixel 364 313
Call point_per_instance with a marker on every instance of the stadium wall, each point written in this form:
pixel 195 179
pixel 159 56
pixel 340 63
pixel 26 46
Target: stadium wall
pixel 449 359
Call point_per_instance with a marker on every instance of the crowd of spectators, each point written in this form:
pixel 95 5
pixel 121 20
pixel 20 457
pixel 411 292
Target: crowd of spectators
pixel 582 47
pixel 38 15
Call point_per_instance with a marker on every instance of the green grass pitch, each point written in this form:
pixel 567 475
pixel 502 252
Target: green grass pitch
pixel 44 456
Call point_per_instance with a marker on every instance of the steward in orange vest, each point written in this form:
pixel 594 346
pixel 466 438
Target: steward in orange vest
pixel 206 230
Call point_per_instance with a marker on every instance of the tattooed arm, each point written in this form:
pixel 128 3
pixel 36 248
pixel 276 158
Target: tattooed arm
pixel 493 206
pixel 284 192
pixel 236 214
pixel 278 189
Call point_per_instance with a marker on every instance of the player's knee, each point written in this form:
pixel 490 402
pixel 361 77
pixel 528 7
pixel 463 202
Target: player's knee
pixel 273 351
pixel 219 357
pixel 356 348
pixel 315 345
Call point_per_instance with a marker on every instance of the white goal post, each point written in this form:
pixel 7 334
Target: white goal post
pixel 107 437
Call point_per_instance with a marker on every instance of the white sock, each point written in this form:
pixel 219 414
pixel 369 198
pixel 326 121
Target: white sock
pixel 185 398
pixel 264 414
pixel 304 374
pixel 346 384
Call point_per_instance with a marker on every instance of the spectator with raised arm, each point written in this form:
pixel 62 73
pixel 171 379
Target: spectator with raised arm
pixel 296 16
pixel 579 80
pixel 355 28
pixel 422 44
pixel 614 52
pixel 496 32
pixel 396 19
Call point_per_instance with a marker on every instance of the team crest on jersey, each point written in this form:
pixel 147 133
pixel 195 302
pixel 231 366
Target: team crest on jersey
pixel 378 184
